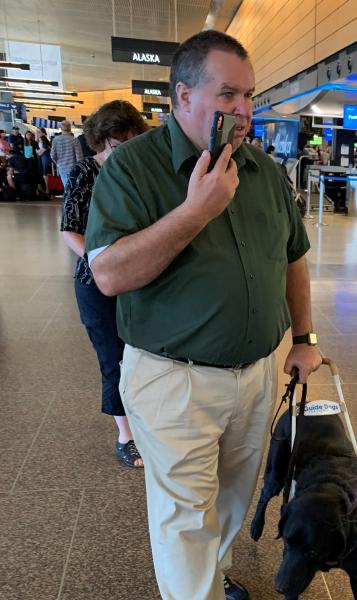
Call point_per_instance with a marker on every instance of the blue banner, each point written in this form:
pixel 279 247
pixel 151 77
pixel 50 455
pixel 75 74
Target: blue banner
pixel 283 136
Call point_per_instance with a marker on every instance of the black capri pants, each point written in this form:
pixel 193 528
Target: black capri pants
pixel 98 314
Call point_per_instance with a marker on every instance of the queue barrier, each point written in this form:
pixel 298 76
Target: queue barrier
pixel 321 179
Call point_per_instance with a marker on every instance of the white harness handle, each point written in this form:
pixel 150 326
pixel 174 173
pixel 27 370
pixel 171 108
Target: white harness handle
pixel 337 381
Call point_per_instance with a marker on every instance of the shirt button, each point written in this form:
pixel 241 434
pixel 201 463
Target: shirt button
pixel 251 276
pixel 254 311
pixel 242 244
pixel 250 341
pixel 232 211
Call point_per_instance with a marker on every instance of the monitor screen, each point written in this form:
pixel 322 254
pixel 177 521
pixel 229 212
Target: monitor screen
pixel 283 136
pixel 258 130
pixel 350 116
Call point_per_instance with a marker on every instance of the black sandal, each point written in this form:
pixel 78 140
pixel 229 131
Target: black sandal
pixel 128 454
pixel 234 590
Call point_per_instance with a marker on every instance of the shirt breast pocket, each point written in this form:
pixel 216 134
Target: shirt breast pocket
pixel 274 236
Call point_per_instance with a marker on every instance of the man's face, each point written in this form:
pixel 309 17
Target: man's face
pixel 228 87
pixel 15 131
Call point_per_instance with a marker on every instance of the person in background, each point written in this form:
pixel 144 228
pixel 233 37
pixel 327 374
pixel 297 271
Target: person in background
pixel 40 131
pixel 4 144
pixel 64 152
pixel 257 143
pixel 30 145
pixel 209 268
pixel 16 140
pixel 107 128
pixel 270 150
pixel 44 155
pixel 21 177
pixel 325 155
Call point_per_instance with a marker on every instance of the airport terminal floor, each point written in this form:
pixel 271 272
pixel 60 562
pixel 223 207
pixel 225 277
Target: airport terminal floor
pixel 72 518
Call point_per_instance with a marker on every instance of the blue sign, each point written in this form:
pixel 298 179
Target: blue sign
pixel 7 106
pixel 283 136
pixel 258 130
pixel 327 134
pixel 350 116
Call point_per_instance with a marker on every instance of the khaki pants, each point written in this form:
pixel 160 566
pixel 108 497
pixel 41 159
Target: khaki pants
pixel 201 433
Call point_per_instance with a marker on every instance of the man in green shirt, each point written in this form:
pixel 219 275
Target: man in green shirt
pixel 208 268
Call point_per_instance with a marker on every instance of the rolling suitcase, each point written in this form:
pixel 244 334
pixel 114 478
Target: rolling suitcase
pixel 54 184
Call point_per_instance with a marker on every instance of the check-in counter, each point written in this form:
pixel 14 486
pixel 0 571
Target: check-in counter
pixel 351 192
pixel 339 184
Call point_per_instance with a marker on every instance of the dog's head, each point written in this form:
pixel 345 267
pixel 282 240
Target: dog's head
pixel 315 530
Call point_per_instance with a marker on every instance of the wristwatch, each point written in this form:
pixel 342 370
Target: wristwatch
pixel 308 338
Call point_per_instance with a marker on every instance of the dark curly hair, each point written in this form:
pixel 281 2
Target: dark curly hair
pixel 114 119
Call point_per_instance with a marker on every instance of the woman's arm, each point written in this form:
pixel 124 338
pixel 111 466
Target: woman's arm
pixel 75 205
pixel 75 241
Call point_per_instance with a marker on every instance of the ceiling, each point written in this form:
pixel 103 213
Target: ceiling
pixel 83 29
pixel 328 102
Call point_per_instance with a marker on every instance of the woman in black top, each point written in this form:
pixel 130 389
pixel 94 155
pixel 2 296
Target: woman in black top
pixel 44 156
pixel 111 125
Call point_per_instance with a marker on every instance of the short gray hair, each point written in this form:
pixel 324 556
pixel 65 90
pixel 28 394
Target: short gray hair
pixel 66 126
pixel 189 61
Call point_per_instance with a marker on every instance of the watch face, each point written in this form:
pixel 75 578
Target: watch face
pixel 312 339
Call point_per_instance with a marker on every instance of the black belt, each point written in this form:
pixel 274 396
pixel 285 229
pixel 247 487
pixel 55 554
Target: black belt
pixel 199 363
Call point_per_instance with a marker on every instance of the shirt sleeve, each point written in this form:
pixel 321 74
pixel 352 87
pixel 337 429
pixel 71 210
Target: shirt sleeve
pixel 116 209
pixel 298 242
pixel 77 196
pixel 54 151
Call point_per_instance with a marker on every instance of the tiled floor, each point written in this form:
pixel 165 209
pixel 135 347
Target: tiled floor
pixel 72 519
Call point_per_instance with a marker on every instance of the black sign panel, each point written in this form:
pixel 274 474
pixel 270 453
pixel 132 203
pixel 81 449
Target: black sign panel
pixel 143 52
pixel 147 115
pixel 150 88
pixel 158 108
pixel 7 106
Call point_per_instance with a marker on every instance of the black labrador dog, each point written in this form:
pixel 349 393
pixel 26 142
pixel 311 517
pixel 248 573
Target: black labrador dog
pixel 319 525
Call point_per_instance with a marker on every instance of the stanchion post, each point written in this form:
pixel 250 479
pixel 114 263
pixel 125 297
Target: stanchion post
pixel 308 203
pixel 320 223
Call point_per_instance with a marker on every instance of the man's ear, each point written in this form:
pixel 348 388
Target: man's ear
pixel 183 95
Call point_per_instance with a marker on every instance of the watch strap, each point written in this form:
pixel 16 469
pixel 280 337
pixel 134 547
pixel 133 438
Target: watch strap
pixel 307 338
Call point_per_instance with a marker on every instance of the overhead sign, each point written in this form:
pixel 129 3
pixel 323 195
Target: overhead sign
pixel 147 115
pixel 150 52
pixel 350 116
pixel 283 135
pixel 7 106
pixel 150 88
pixel 47 123
pixel 158 108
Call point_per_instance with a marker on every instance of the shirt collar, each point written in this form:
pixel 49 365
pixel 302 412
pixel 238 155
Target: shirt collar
pixel 183 149
pixel 244 155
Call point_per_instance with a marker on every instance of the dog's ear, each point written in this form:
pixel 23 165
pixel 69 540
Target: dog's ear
pixel 283 518
pixel 338 542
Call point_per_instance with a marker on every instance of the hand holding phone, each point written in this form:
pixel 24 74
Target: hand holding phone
pixel 209 194
pixel 222 133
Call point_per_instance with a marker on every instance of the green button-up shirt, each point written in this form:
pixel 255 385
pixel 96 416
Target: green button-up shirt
pixel 222 300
